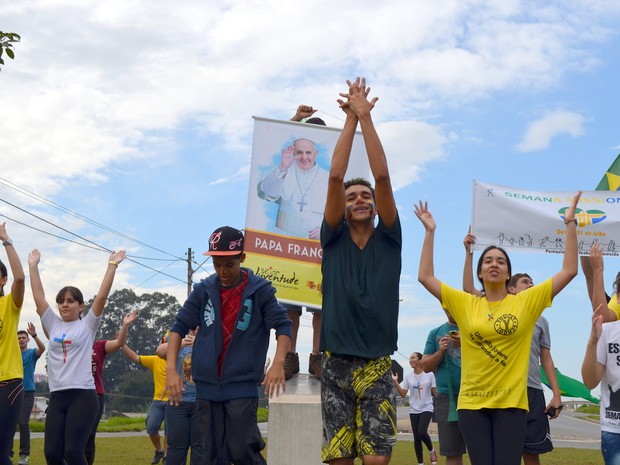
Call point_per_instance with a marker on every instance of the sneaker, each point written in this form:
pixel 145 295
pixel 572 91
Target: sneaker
pixel 24 460
pixel 291 365
pixel 314 365
pixel 433 457
pixel 159 454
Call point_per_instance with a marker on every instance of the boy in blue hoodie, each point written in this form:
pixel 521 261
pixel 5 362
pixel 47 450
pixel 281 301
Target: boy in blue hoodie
pixel 235 310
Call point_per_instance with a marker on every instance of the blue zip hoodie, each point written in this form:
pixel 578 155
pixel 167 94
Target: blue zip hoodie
pixel 244 362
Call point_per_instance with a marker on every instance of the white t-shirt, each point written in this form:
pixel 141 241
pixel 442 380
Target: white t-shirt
pixel 419 387
pixel 608 354
pixel 70 347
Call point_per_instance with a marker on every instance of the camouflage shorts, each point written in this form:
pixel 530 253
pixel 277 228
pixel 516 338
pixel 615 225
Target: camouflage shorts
pixel 358 404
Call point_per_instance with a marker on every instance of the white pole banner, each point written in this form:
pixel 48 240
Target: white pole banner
pixel 286 201
pixel 531 221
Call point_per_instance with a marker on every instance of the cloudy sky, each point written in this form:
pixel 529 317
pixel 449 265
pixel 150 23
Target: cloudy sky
pixel 129 124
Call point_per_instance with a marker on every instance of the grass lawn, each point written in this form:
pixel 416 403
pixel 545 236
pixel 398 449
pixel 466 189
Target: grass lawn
pixel 139 451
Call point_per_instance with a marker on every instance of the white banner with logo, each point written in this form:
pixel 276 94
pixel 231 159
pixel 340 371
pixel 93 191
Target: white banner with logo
pixel 286 201
pixel 532 221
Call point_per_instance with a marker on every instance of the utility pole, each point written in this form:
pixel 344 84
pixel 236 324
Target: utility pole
pixel 190 272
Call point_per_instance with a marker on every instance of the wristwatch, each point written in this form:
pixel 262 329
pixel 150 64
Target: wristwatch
pixel 7 242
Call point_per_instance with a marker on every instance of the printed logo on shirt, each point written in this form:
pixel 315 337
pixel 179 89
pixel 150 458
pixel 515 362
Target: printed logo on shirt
pixel 209 314
pixel 612 412
pixel 246 308
pixel 65 343
pixel 506 325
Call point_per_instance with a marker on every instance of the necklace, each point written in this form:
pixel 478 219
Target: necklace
pixel 307 186
pixel 490 314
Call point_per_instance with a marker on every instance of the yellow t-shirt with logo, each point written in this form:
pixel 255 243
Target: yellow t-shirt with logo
pixel 11 366
pixel 158 366
pixel 614 305
pixel 495 344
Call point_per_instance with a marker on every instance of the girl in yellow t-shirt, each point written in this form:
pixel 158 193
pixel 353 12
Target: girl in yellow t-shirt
pixel 496 332
pixel 11 369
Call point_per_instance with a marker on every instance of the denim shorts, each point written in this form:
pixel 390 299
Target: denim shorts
pixel 610 447
pixel 155 416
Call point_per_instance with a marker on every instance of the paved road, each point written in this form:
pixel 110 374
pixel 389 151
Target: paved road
pixel 570 429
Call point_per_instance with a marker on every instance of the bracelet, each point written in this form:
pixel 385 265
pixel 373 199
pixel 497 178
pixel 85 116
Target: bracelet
pixel 574 220
pixel 7 242
pixel 34 336
pixel 113 262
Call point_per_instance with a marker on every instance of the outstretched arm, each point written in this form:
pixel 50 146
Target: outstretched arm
pixel 598 297
pixel 35 337
pixel 570 262
pixel 400 390
pixel 121 338
pixel 130 354
pixel 106 284
pixel 335 201
pixel 426 273
pixel 361 106
pixel 588 273
pixel 38 293
pixel 468 270
pixel 591 370
pixel 18 288
pixel 546 361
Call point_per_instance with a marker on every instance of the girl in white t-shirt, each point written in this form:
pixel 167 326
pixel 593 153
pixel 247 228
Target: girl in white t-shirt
pixel 422 388
pixel 73 401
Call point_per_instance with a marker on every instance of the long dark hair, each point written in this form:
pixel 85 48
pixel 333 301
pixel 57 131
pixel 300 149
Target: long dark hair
pixel 3 273
pixel 480 260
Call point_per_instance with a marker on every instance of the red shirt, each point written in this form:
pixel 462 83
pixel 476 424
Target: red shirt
pixel 231 304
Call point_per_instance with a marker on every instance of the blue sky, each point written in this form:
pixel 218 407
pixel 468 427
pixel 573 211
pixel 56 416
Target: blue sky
pixel 138 116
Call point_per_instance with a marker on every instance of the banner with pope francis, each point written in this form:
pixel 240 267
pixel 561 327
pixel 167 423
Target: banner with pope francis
pixel 286 200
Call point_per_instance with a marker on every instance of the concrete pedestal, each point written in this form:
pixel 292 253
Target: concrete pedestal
pixel 295 424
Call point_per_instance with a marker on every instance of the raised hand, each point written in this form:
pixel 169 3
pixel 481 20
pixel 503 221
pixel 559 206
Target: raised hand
pixel 303 111
pixel 130 317
pixel 288 158
pixel 469 241
pixel 357 98
pixel 31 329
pixel 117 256
pixel 569 215
pixel 424 215
pixel 34 257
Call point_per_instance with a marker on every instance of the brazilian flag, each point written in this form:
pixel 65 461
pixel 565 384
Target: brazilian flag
pixel 611 180
pixel 569 387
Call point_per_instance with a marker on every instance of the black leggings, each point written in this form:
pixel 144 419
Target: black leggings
pixel 11 397
pixel 419 426
pixel 90 445
pixel 493 436
pixel 70 417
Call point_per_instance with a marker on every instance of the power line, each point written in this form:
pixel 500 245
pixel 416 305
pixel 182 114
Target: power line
pixel 49 202
pixel 94 245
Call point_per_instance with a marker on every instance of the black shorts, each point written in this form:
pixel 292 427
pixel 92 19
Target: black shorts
pixel 537 436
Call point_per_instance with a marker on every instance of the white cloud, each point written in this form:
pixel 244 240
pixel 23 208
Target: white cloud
pixel 540 133
pixel 92 81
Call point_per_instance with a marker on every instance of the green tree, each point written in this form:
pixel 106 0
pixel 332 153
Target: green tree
pixel 156 316
pixel 7 39
pixel 133 394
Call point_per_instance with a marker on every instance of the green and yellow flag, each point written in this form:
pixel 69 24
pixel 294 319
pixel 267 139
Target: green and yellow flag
pixel 569 387
pixel 611 180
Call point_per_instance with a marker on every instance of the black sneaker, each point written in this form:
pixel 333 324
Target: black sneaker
pixel 159 455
